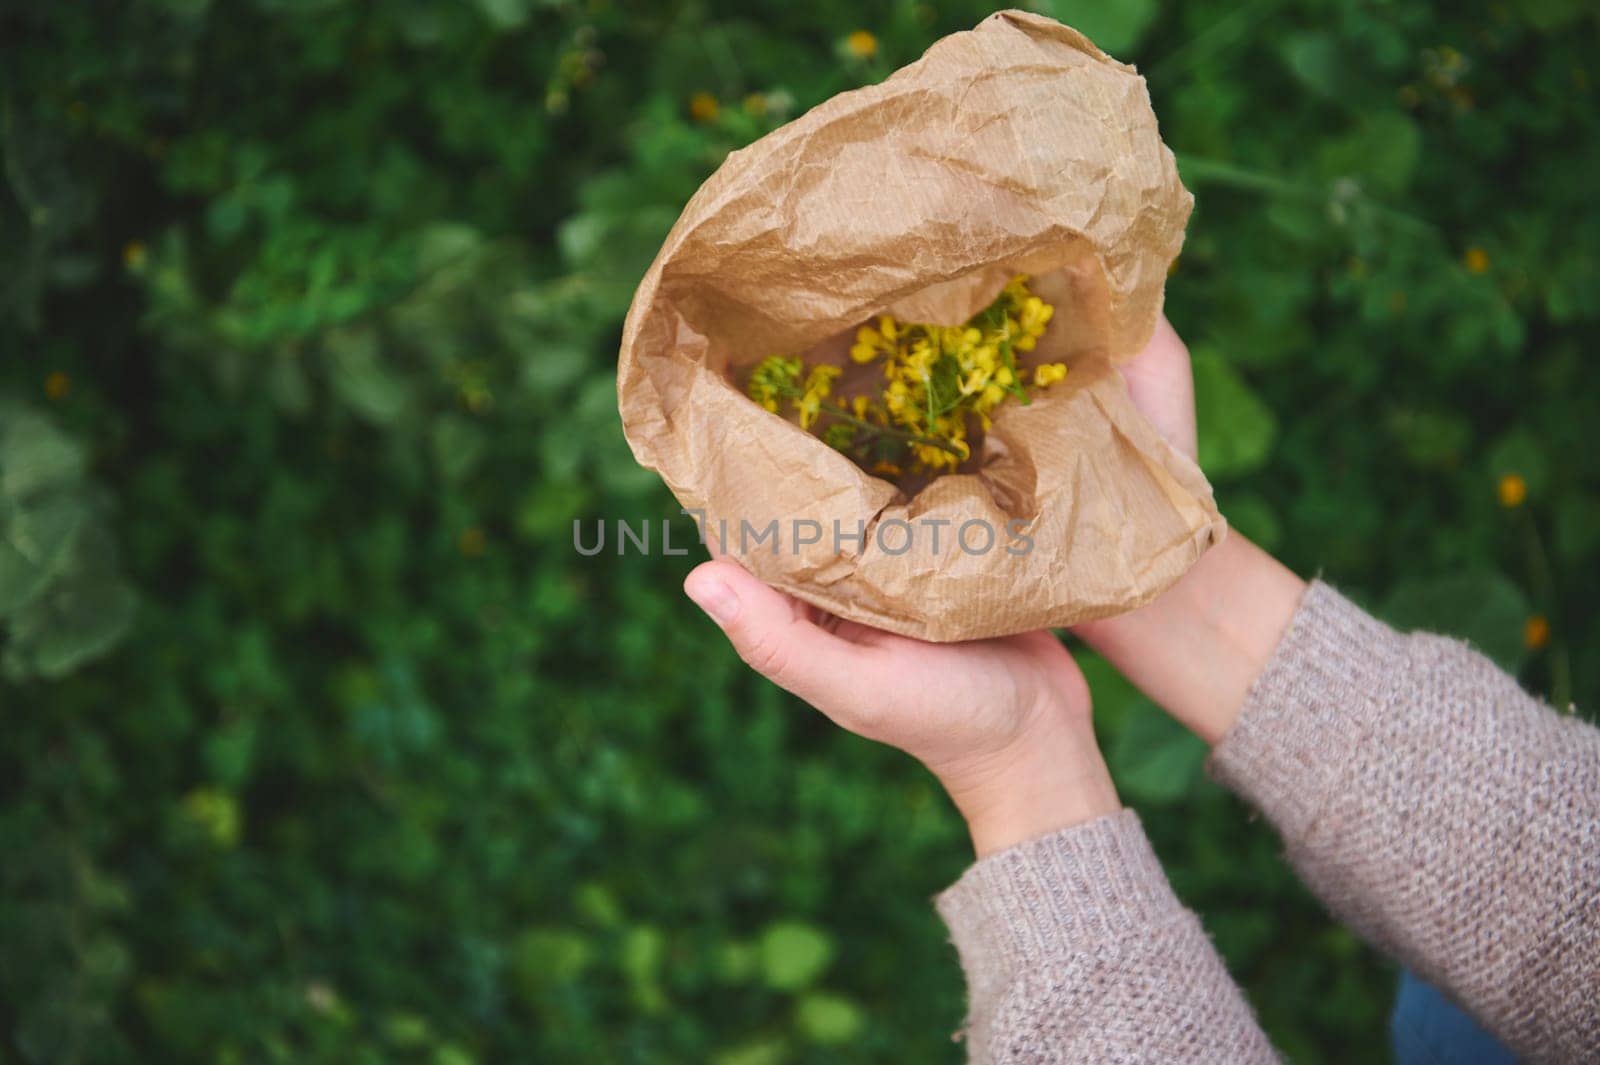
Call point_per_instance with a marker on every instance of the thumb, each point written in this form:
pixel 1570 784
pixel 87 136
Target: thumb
pixel 774 638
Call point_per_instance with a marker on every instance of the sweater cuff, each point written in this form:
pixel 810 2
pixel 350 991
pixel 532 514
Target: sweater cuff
pixel 1310 711
pixel 1088 884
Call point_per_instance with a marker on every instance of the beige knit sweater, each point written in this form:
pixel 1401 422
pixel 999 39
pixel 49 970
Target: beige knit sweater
pixel 1429 802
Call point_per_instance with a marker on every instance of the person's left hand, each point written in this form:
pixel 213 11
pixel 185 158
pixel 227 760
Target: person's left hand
pixel 1004 724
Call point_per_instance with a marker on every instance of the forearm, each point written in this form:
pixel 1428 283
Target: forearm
pixel 1197 649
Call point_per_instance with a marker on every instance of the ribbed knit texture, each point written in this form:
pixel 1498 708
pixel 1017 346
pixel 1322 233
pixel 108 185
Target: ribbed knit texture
pixel 1076 950
pixel 1430 803
pixel 1440 811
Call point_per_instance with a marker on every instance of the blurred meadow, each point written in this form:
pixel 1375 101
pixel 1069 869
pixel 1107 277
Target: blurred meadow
pixel 319 741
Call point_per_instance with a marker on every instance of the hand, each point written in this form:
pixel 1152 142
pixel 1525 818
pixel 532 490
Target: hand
pixel 1162 386
pixel 1197 648
pixel 1004 724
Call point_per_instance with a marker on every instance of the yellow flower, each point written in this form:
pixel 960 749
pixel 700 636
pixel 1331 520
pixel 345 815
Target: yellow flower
pixel 818 386
pixel 1536 632
pixel 1476 260
pixel 933 457
pixel 703 107
pixel 135 255
pixel 1512 490
pixel 1049 373
pixel 810 408
pixel 870 342
pixel 1032 317
pixel 938 381
pixel 755 105
pixel 861 44
pixel 57 386
pixel 776 377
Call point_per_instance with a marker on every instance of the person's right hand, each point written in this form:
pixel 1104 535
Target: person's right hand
pixel 1197 647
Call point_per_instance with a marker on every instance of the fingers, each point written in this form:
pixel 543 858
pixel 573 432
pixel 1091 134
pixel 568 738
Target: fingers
pixel 778 641
pixel 1162 386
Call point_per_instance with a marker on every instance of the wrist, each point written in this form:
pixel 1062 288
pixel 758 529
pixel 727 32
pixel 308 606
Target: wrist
pixel 1198 647
pixel 1050 778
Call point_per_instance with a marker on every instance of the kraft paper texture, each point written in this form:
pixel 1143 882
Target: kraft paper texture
pixel 1015 148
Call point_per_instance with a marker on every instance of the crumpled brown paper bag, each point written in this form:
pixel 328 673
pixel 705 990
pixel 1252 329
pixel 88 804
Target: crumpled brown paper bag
pixel 1017 147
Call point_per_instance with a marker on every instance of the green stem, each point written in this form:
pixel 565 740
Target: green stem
pixel 883 430
pixel 1220 172
pixel 1545 588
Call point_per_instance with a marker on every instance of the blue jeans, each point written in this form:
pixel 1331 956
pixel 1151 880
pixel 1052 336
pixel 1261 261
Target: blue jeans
pixel 1428 1029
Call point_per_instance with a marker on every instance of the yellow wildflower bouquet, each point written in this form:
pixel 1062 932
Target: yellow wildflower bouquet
pixel 938 380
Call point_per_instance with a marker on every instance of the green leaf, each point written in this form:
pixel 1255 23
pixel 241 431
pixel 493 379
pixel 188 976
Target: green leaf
pixel 505 14
pixel 1430 439
pixel 772 1051
pixel 445 244
pixel 829 1019
pixel 1114 695
pixel 1254 517
pixel 1519 453
pixel 373 390
pixel 546 958
pixel 1237 430
pixel 1577 527
pixel 20 578
pixel 1154 759
pixel 1115 26
pixel 1383 150
pixel 794 955
pixel 459 445
pixel 34 454
pixel 74 622
pixel 1485 608
pixel 1318 62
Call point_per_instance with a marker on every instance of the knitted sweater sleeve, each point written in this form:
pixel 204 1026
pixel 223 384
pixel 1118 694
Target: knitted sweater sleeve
pixel 1076 950
pixel 1427 800
pixel 1440 811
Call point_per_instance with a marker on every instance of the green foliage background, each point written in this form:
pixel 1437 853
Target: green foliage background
pixel 319 740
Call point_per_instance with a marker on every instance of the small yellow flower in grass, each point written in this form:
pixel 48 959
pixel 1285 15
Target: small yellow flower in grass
pixel 1476 260
pixel 135 255
pixel 861 44
pixel 755 105
pixel 1049 374
pixel 1512 490
pixel 703 107
pixel 1536 632
pixel 472 542
pixel 57 386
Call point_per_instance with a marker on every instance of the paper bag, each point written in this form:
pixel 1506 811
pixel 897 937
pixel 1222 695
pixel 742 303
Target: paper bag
pixel 1015 148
